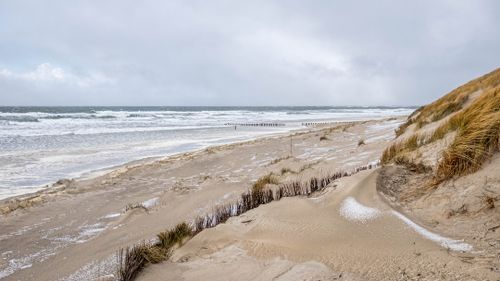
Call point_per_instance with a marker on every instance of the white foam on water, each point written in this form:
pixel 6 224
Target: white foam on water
pixel 352 210
pixel 452 244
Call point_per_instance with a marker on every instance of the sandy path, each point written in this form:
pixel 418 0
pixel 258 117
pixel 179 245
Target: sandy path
pixel 75 232
pixel 346 233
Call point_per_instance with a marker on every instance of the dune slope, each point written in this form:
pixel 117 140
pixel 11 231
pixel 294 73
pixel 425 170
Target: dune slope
pixel 443 168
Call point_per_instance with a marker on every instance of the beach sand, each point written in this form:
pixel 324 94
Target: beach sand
pixel 344 233
pixel 73 230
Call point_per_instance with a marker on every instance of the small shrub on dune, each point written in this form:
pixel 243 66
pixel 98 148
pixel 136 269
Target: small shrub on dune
pixel 323 138
pixel 361 142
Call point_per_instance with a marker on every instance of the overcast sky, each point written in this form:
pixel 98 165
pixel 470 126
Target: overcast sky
pixel 242 52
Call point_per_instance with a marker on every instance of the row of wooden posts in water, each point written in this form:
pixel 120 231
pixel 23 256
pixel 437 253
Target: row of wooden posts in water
pixel 267 124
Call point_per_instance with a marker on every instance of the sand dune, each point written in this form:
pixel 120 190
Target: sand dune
pixel 346 233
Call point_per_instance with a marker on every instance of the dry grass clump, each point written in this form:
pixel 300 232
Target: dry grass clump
pixel 361 142
pixel 411 165
pixel 401 129
pixel 170 238
pixel 265 180
pixel 132 206
pixel 286 170
pixel 323 138
pixel 133 259
pixel 306 167
pixel 477 139
pixel 391 152
pixel 277 160
pixel 450 103
pixel 402 147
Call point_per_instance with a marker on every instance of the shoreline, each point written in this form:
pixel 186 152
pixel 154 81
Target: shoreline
pixel 89 220
pixel 71 143
pixel 54 186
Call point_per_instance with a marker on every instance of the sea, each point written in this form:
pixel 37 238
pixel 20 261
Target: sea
pixel 40 145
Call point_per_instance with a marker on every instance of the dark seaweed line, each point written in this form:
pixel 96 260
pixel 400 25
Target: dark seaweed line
pixel 132 260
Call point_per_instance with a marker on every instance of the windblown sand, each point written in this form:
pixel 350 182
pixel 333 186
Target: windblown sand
pixel 346 232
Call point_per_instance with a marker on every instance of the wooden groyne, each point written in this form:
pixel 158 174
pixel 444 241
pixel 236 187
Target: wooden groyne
pixel 256 124
pixel 317 124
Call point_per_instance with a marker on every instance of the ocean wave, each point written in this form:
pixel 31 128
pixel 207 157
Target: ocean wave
pixel 298 113
pixel 19 118
pixel 92 116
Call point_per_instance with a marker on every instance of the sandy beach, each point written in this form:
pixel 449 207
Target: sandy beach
pixel 73 230
pixel 79 222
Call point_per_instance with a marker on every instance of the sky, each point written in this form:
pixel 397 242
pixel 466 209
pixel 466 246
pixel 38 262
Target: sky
pixel 182 52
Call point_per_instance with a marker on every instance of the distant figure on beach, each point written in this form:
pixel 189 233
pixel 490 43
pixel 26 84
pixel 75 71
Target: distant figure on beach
pixel 235 127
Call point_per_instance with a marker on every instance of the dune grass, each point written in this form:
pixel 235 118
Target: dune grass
pixel 477 138
pixel 477 128
pixel 132 260
pixel 451 102
pixel 265 180
pixel 399 148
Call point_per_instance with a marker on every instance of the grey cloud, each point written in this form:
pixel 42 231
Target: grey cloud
pixel 245 53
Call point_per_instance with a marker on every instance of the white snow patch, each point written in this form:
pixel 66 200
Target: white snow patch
pixel 455 245
pixel 21 263
pixel 95 270
pixel 112 215
pixel 355 211
pixel 89 231
pixel 151 202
